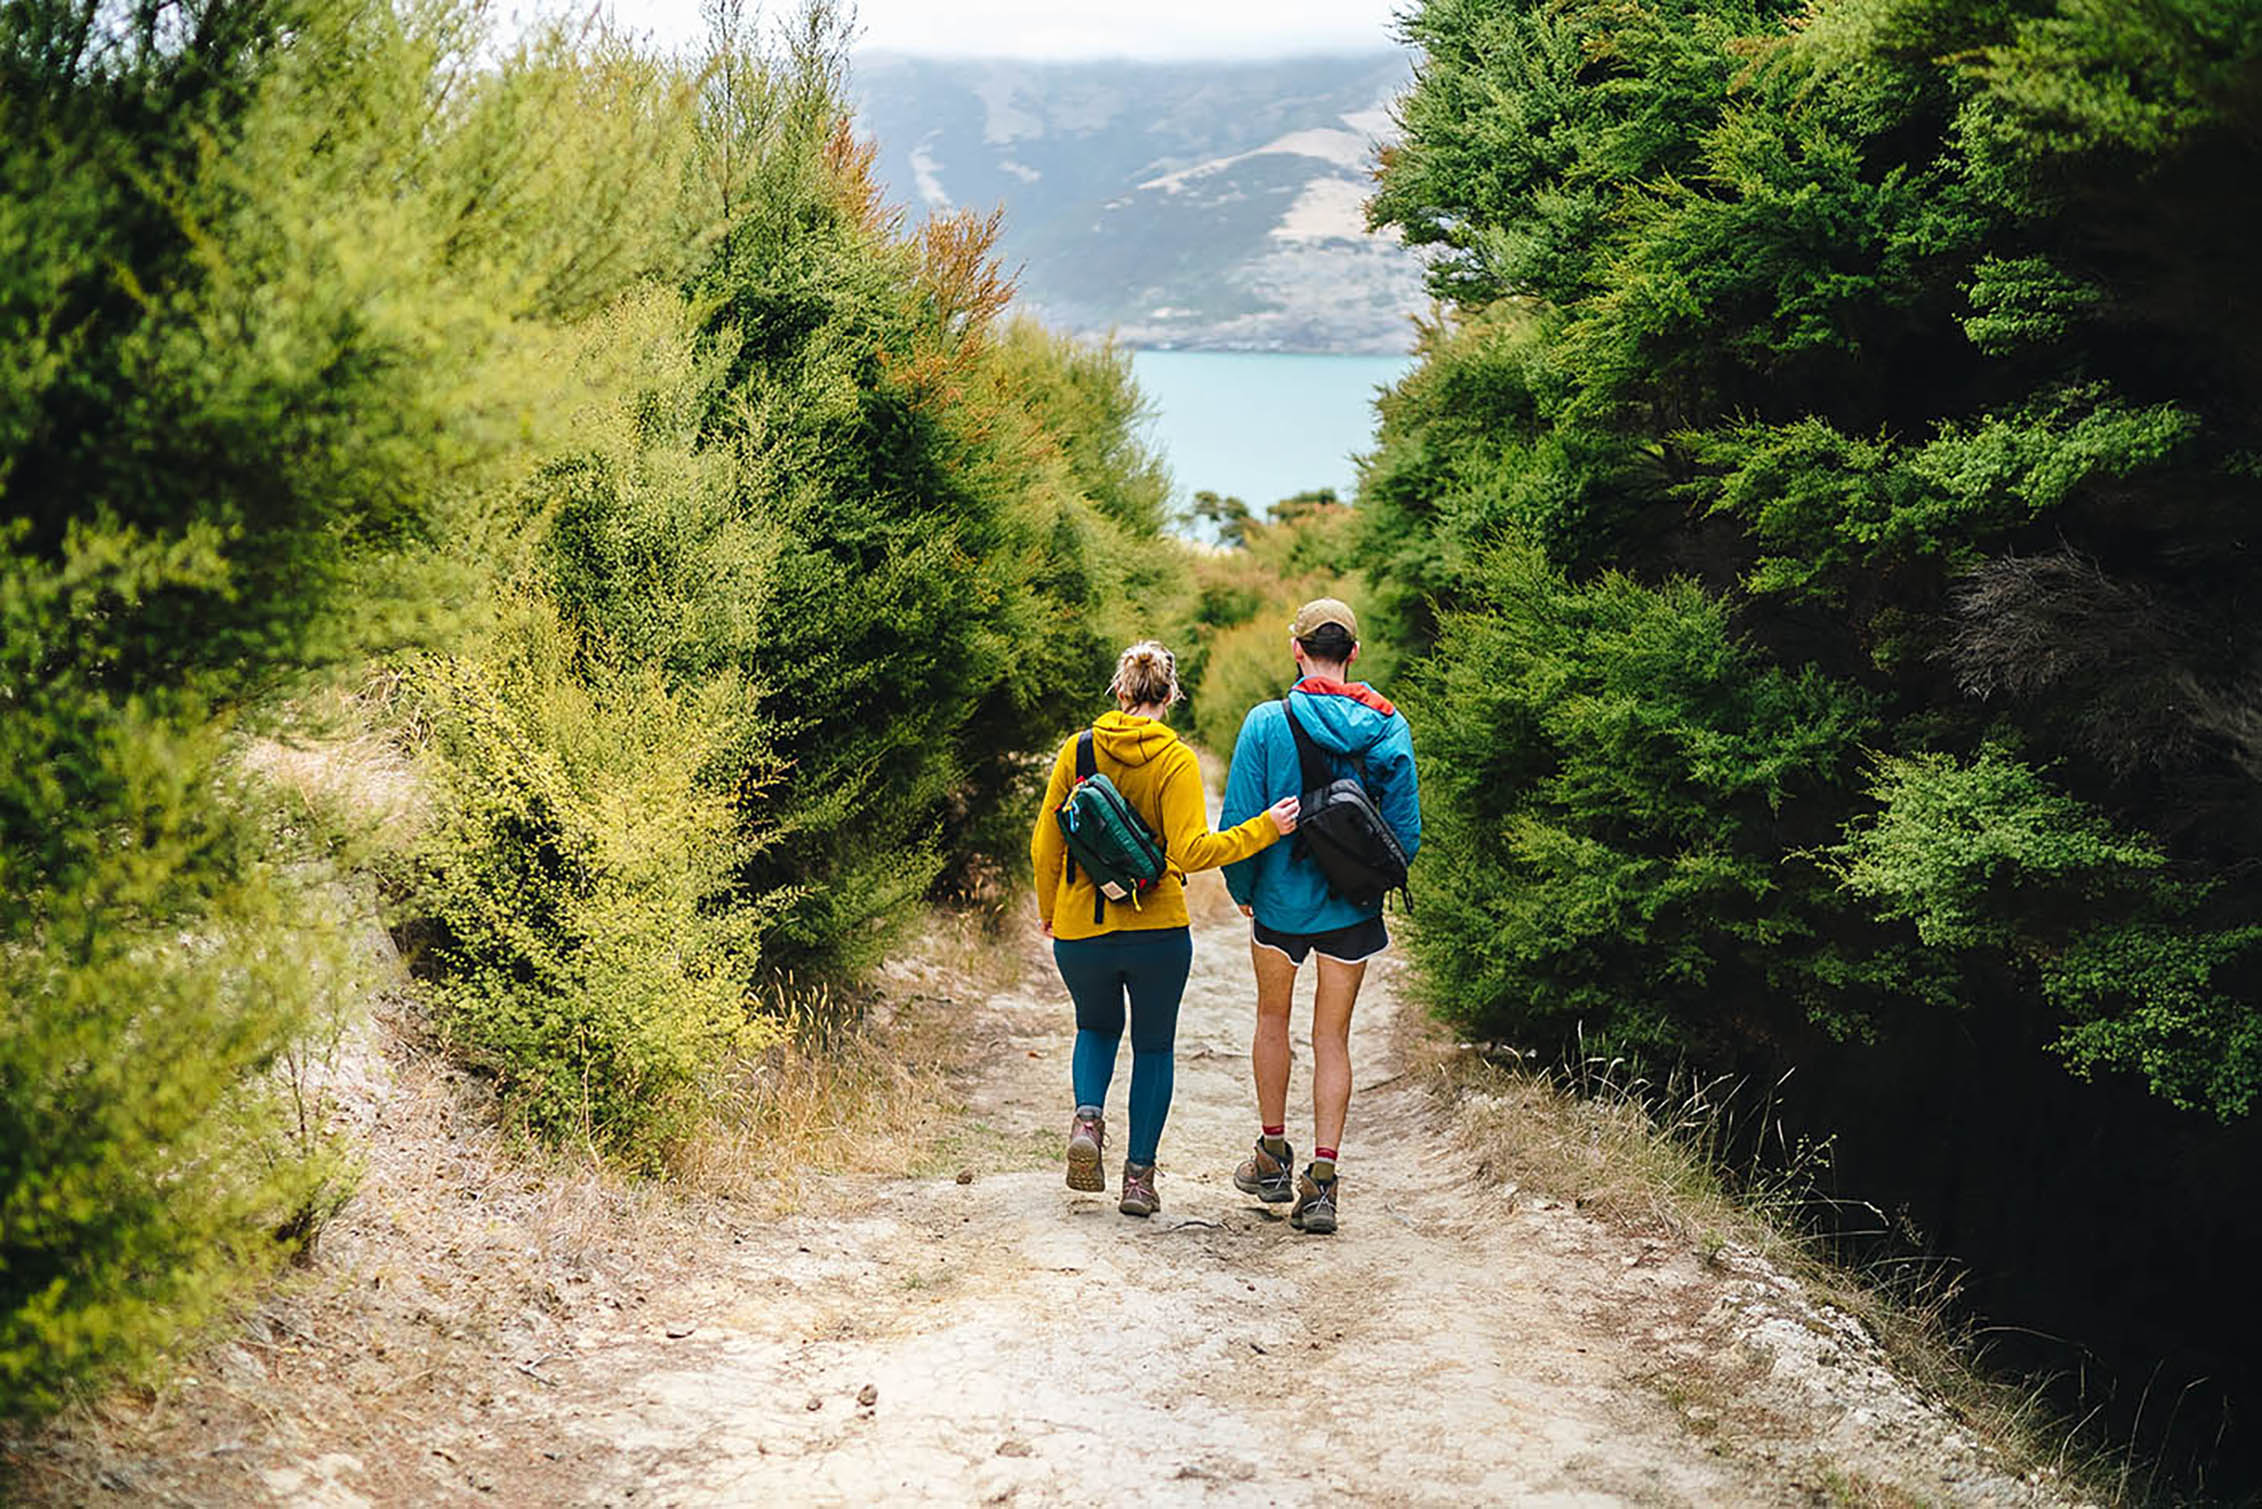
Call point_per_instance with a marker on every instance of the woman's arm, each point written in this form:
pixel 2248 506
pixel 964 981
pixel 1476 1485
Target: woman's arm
pixel 1186 835
pixel 1048 851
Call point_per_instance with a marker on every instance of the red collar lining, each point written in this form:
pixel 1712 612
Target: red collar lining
pixel 1357 691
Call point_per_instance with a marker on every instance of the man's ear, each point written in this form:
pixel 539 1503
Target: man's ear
pixel 1354 655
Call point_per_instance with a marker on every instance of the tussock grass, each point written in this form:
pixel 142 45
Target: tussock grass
pixel 835 1095
pixel 342 756
pixel 1707 1163
pixel 858 1083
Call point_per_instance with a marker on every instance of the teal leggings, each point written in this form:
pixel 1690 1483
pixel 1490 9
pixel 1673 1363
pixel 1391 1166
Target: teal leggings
pixel 1150 969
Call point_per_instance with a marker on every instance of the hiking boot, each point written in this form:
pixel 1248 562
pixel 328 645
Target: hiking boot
pixel 1270 1179
pixel 1139 1197
pixel 1314 1210
pixel 1087 1134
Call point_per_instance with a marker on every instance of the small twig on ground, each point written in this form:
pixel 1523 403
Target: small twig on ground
pixel 1182 1225
pixel 1381 1084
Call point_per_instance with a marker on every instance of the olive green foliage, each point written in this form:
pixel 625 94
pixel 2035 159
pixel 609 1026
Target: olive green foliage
pixel 1823 512
pixel 735 552
pixel 576 891
pixel 1235 638
pixel 218 445
pixel 963 518
pixel 829 548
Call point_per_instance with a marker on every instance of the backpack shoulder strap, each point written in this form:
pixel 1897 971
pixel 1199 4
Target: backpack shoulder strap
pixel 1087 766
pixel 1308 753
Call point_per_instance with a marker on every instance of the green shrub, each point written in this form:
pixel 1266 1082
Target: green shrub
pixel 1880 328
pixel 589 950
pixel 961 517
pixel 2146 969
pixel 1608 779
pixel 155 963
pixel 827 552
pixel 280 308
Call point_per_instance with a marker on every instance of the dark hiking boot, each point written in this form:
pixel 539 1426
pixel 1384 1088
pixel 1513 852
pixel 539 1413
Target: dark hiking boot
pixel 1139 1197
pixel 1270 1179
pixel 1314 1210
pixel 1087 1136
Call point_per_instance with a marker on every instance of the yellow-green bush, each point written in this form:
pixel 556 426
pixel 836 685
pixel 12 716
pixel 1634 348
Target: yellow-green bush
pixel 1243 599
pixel 279 309
pixel 588 947
pixel 593 752
pixel 222 435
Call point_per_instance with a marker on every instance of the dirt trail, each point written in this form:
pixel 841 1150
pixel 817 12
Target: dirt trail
pixel 477 1332
pixel 1013 1341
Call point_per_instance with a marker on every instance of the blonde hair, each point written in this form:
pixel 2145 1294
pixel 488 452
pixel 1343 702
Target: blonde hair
pixel 1146 675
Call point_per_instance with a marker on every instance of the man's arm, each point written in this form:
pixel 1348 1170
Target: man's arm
pixel 1245 789
pixel 1401 790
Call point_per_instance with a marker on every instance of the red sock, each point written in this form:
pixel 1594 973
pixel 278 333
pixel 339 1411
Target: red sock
pixel 1278 1131
pixel 1323 1155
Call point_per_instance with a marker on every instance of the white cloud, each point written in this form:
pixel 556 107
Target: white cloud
pixel 1172 29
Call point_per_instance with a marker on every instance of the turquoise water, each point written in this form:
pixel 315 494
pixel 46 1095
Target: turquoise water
pixel 1261 426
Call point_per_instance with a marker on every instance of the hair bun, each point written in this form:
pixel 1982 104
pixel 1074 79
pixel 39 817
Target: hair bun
pixel 1146 672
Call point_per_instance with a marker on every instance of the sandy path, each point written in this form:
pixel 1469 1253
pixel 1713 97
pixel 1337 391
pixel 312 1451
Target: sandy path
pixel 1018 1342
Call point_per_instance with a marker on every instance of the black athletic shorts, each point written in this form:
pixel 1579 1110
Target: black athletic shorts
pixel 1345 945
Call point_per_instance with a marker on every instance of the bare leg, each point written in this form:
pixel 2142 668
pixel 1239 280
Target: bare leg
pixel 1338 990
pixel 1268 1052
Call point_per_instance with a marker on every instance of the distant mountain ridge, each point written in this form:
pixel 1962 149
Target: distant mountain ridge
pixel 1205 205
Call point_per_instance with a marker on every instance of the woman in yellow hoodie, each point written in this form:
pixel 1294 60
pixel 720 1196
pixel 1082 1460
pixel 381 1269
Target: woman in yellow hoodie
pixel 1141 951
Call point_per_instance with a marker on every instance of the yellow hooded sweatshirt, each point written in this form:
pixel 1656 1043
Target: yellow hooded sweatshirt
pixel 1160 778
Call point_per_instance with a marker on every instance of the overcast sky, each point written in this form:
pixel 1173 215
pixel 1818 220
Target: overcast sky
pixel 1081 28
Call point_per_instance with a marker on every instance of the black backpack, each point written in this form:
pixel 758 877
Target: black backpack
pixel 1338 825
pixel 1106 835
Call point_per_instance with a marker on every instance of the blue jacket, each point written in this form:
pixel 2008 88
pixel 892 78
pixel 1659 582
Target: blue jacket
pixel 1284 885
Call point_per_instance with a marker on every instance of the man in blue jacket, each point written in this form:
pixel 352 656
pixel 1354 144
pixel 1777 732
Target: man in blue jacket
pixel 1295 914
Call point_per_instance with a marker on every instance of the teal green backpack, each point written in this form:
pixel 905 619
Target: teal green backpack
pixel 1107 837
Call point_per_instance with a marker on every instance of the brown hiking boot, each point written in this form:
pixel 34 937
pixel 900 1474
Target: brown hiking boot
pixel 1270 1179
pixel 1139 1197
pixel 1087 1135
pixel 1314 1210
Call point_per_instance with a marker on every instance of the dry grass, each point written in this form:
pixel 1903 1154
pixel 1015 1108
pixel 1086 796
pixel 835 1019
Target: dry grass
pixel 1609 1153
pixel 859 1085
pixel 472 1275
pixel 1655 1159
pixel 341 756
pixel 464 1270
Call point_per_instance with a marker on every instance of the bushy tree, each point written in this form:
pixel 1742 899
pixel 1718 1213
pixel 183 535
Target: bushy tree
pixel 219 443
pixel 1878 323
pixel 1825 501
pixel 961 509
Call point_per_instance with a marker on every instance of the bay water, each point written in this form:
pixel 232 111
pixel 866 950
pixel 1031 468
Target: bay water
pixel 1262 426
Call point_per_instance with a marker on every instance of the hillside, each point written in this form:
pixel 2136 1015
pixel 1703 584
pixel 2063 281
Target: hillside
pixel 1211 206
